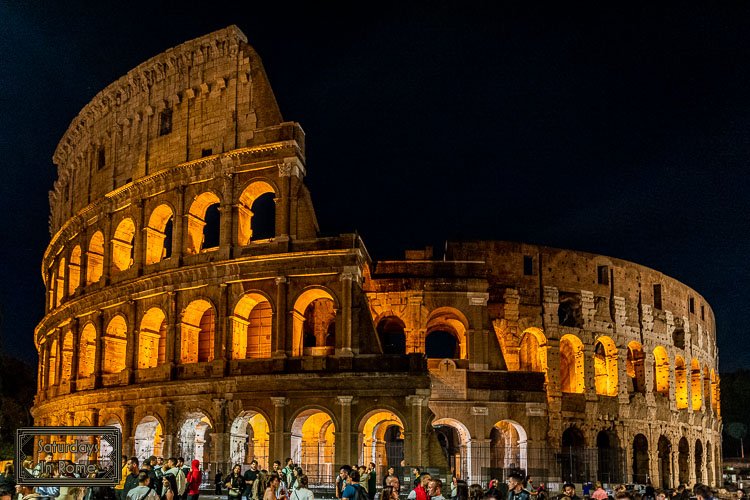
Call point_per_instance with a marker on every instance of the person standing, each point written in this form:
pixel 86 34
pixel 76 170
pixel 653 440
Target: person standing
pixel 435 489
pixel 599 493
pixel 353 490
pixel 217 482
pixel 143 491
pixel 272 486
pixel 236 484
pixel 302 492
pixel 372 481
pixel 250 476
pixel 515 488
pixel 194 480
pixel 341 479
pixel 132 480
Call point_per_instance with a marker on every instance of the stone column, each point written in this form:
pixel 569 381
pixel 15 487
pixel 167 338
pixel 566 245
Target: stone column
pixel 222 333
pixel 169 430
pixel 178 226
pixel 99 355
pixel 58 356
pixel 477 337
pixel 107 257
pixel 83 238
pixel 413 437
pixel 173 331
pixel 133 340
pixel 283 214
pixel 75 333
pixel 280 444
pixel 344 345
pixel 279 333
pixel 623 396
pixel 225 231
pixel 344 453
pixel 589 373
pixel 139 238
pixel 128 440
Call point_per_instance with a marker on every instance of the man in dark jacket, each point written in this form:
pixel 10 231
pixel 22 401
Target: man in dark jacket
pixel 131 481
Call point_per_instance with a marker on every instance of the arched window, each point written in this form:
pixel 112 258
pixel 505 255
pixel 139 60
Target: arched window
pixel 441 344
pixel 95 258
pixel 571 364
pixel 635 368
pixel 314 323
pixel 152 339
pixel 680 381
pixel 257 213
pixel 605 367
pixel 115 344
pixel 74 270
pixel 197 332
pixel 159 234
pixel 661 371
pixel 392 336
pixel 87 351
pixel 695 384
pixel 532 353
pixel 446 334
pixel 122 246
pixel 251 331
pixel 203 223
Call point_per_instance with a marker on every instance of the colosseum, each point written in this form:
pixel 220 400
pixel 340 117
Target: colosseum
pixel 193 303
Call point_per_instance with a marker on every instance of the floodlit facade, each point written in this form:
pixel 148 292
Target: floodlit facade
pixel 192 302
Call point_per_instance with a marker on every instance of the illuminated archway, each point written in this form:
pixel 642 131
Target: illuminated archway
pixel 249 439
pixel 159 234
pixel 107 453
pixel 382 439
pixel 391 331
pixel 122 246
pixel 197 332
pixel 605 366
pixel 148 438
pixel 95 258
pixel 115 344
pixel 571 364
pixel 314 444
pixel 532 353
pixel 635 368
pixel 454 439
pixel 314 323
pixel 152 339
pixel 87 351
pixel 194 436
pixel 695 384
pixel 661 371
pixel 680 383
pixel 199 227
pixel 74 270
pixel 508 445
pixel 251 327
pixel 252 225
pixel 446 334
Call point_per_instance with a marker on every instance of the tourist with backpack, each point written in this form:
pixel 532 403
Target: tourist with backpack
pixel 353 490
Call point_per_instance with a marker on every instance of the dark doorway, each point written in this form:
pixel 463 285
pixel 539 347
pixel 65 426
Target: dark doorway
pixel 441 344
pixel 572 452
pixel 392 336
pixel 263 223
pixel 640 459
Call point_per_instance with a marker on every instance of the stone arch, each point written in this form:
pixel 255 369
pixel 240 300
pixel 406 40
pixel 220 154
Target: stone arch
pixel 148 437
pixel 532 353
pixel 87 351
pixel 454 438
pixel 664 453
pixel 443 324
pixel 508 445
pixel 680 383
pixel 194 435
pixel 683 461
pixel 314 322
pixel 252 322
pixel 74 270
pixel 572 449
pixel 252 226
pixel 608 456
pixel 661 371
pixel 635 368
pixel 197 331
pixel 698 460
pixel 122 246
pixel 640 459
pixel 95 258
pixel 106 450
pixel 605 366
pixel 695 384
pixel 199 227
pixel 249 436
pixel 313 435
pixel 392 334
pixel 159 234
pixel 152 339
pixel 571 364
pixel 115 345
pixel 60 281
pixel 378 442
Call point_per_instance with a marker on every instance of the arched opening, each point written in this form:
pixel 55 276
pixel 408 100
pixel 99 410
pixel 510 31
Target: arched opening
pixel 392 335
pixel 251 327
pixel 257 213
pixel 508 451
pixel 87 351
pixel 122 246
pixel 115 345
pixel 698 461
pixel 152 339
pixel 572 453
pixel 194 440
pixel 571 364
pixel 608 456
pixel 74 270
pixel 203 223
pixel 605 367
pixel 382 440
pixel 532 353
pixel 661 371
pixel 454 438
pixel 683 461
pixel 249 439
pixel 695 384
pixel 197 332
pixel 640 459
pixel 60 282
pixel 95 258
pixel 664 449
pixel 680 383
pixel 635 368
pixel 314 323
pixel 446 334
pixel 52 364
pixel 314 444
pixel 159 234
pixel 149 438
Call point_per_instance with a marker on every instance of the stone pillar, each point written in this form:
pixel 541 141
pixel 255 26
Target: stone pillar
pixel 58 356
pixel 280 440
pixel 477 337
pixel 344 452
pixel 622 376
pixel 413 437
pixel 225 231
pixel 178 226
pixel 75 333
pixel 107 257
pixel 279 333
pixel 589 375
pixel 222 332
pixel 133 340
pixel 648 371
pixel 84 270
pixel 139 237
pixel 99 355
pixel 128 440
pixel 344 345
pixel 169 430
pixel 173 331
pixel 282 206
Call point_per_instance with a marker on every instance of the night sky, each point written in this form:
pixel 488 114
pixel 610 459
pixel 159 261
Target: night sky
pixel 623 131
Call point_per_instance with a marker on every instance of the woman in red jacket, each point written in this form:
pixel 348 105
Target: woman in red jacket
pixel 194 479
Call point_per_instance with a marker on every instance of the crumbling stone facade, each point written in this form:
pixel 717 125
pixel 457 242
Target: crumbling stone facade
pixel 192 302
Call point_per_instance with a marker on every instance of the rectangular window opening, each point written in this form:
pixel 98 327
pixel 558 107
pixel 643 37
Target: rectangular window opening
pixel 703 313
pixel 528 265
pixel 206 152
pixel 602 275
pixel 657 297
pixel 165 122
pixel 691 305
pixel 101 159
